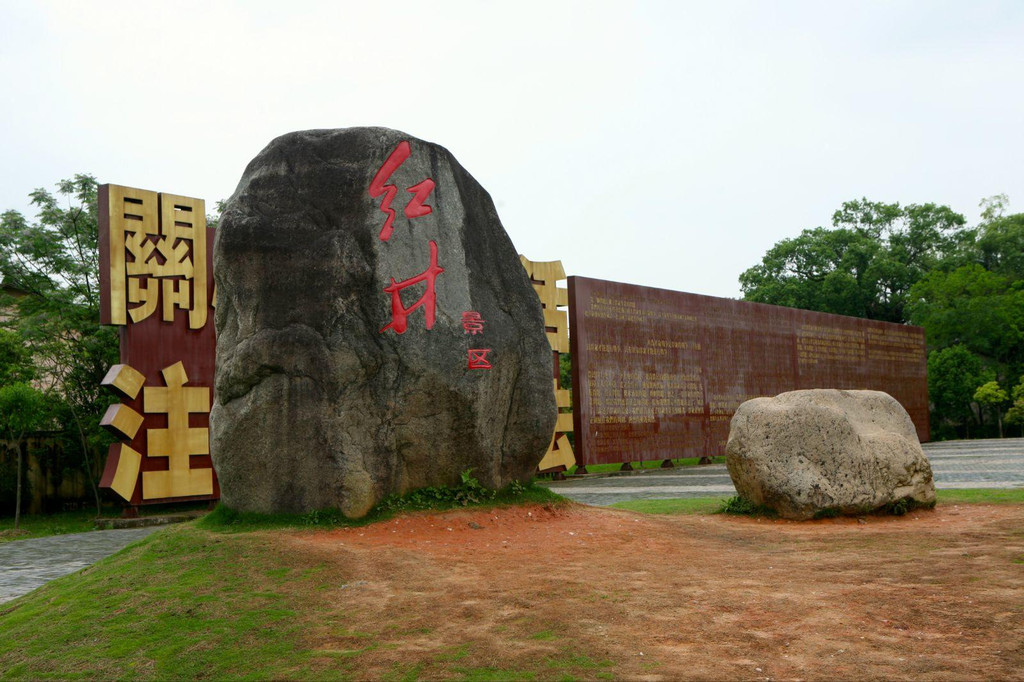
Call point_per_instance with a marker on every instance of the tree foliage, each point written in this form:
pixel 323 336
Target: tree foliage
pixel 16 363
pixel 54 263
pixel 22 411
pixel 864 265
pixel 978 308
pixel 991 396
pixel 1015 415
pixel 979 303
pixel 918 264
pixel 954 374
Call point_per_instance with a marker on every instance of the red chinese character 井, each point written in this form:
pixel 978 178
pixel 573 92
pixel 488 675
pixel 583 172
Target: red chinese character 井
pixel 472 322
pixel 478 358
pixel 428 301
pixel 415 208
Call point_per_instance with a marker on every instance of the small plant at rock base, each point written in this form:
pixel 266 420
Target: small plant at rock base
pixel 903 506
pixel 471 492
pixel 323 517
pixel 899 507
pixel 738 505
pixel 828 513
pixel 744 507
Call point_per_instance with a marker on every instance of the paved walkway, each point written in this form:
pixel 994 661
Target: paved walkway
pixel 27 564
pixel 955 464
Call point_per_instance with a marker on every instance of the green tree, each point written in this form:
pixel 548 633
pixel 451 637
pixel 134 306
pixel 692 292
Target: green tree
pixel 1000 246
pixel 21 412
pixel 823 270
pixel 993 207
pixel 565 371
pixel 865 265
pixel 980 303
pixel 54 262
pixel 970 305
pixel 953 375
pixel 990 395
pixel 920 264
pixel 15 359
pixel 1015 415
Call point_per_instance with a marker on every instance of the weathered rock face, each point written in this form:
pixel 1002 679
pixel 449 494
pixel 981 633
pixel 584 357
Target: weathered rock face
pixel 807 451
pixel 338 380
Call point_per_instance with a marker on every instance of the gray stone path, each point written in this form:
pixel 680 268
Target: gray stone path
pixel 955 464
pixel 27 564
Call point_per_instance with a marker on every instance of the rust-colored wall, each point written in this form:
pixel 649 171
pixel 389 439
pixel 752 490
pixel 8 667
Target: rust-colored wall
pixel 658 374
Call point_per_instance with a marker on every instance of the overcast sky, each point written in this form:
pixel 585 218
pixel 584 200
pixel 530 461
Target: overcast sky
pixel 660 143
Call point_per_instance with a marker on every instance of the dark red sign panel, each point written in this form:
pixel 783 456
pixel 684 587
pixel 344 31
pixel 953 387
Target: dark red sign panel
pixel 156 279
pixel 658 374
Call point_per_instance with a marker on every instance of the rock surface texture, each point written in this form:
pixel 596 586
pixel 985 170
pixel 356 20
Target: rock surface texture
pixel 339 381
pixel 804 452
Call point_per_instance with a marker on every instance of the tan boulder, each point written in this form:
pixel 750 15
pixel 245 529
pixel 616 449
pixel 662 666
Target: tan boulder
pixel 806 452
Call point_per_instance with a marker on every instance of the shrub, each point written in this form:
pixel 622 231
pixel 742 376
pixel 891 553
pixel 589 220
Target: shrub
pixel 744 507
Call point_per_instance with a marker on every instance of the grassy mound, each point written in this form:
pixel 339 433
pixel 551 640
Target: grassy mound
pixel 183 603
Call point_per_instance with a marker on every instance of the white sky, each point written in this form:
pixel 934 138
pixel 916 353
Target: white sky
pixel 660 143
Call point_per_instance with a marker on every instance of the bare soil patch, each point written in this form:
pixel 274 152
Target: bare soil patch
pixel 600 593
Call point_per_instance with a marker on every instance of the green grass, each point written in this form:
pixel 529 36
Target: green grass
pixel 544 635
pixel 61 523
pixel 177 605
pixel 980 496
pixel 494 675
pixel 694 505
pixel 42 525
pixel 653 464
pixel 687 505
pixel 715 505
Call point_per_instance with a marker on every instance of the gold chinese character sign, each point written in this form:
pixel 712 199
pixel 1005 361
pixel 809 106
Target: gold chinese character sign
pixel 545 277
pixel 156 277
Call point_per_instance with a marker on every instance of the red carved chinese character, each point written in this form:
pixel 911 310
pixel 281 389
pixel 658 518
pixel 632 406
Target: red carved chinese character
pixel 472 322
pixel 478 358
pixel 415 208
pixel 428 300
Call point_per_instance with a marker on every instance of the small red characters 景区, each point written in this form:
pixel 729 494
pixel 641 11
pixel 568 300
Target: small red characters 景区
pixel 472 322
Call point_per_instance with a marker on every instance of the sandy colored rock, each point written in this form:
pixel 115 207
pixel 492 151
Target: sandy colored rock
pixel 324 397
pixel 804 452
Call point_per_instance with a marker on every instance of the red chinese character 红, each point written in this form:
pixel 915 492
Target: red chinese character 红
pixel 472 322
pixel 415 208
pixel 428 300
pixel 478 358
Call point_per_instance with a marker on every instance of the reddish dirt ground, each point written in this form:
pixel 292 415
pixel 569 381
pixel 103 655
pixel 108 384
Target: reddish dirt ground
pixel 596 593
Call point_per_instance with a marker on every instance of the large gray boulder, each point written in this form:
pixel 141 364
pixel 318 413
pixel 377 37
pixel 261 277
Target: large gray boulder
pixel 805 452
pixel 326 395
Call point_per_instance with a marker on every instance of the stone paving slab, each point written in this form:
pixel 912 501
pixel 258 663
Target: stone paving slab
pixel 27 564
pixel 955 465
pixel 990 446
